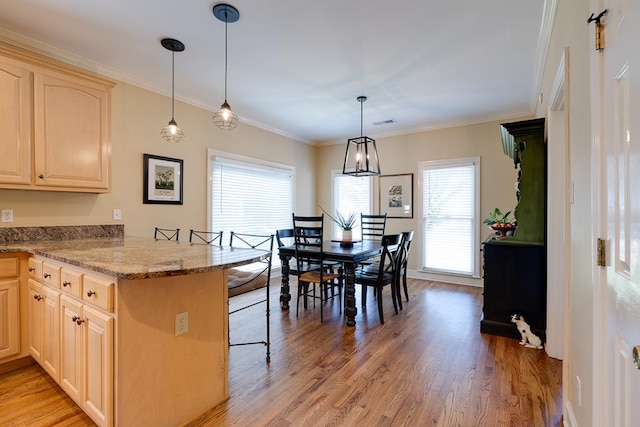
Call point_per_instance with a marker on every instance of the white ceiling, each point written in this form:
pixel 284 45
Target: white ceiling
pixel 297 66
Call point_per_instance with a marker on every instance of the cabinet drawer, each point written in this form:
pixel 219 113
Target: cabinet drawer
pixel 98 292
pixel 51 274
pixel 9 267
pixel 35 268
pixel 71 282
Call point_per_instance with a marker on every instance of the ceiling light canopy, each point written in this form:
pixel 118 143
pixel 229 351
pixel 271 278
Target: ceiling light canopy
pixel 172 133
pixel 225 118
pixel 361 157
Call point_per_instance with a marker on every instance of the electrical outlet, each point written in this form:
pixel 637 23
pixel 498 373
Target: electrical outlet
pixel 117 214
pixel 7 215
pixel 182 323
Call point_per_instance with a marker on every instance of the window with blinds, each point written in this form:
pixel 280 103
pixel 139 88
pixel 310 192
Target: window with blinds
pixel 249 197
pixel 450 208
pixel 350 194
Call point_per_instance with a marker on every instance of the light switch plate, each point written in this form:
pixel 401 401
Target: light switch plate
pixel 117 214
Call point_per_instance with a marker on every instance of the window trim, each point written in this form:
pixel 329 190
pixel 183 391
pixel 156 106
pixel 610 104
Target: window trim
pixel 475 274
pixel 336 173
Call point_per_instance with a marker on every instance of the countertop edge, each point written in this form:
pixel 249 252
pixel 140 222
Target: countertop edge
pixel 35 248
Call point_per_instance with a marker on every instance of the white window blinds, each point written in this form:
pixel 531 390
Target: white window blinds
pixel 450 212
pixel 250 197
pixel 350 194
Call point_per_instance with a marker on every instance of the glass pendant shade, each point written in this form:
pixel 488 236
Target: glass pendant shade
pixel 225 118
pixel 361 157
pixel 172 133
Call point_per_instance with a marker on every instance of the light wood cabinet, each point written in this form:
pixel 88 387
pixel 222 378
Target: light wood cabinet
pixel 9 306
pixel 15 123
pixel 69 113
pixel 9 317
pixel 73 339
pixel 44 324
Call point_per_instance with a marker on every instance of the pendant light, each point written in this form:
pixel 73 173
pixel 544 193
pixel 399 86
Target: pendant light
pixel 172 132
pixel 225 118
pixel 361 157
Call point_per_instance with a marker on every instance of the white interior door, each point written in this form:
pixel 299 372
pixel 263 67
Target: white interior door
pixel 621 179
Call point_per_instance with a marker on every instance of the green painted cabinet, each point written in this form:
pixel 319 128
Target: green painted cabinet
pixel 515 266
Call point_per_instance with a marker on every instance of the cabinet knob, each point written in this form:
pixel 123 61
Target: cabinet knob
pixel 91 293
pixel 37 297
pixel 65 283
pixel 47 275
pixel 41 176
pixel 32 269
pixel 79 321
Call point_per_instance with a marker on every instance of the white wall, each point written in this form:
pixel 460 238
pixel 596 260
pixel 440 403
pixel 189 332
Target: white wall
pixel 570 30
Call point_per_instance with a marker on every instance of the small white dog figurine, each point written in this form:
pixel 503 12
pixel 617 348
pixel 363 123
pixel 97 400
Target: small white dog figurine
pixel 529 339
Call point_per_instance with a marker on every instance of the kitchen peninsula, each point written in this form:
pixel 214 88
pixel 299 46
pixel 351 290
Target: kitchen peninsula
pixel 107 330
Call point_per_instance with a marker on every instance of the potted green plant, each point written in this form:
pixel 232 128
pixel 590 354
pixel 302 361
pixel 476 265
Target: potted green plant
pixel 500 222
pixel 346 223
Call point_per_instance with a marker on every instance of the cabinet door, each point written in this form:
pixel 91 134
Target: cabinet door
pixel 36 315
pixel 15 123
pixel 71 344
pixel 9 318
pixel 71 125
pixel 51 332
pixel 98 378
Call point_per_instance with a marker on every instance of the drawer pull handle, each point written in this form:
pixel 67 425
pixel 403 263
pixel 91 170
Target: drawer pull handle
pixel 91 293
pixel 65 283
pixel 32 269
pixel 37 297
pixel 47 275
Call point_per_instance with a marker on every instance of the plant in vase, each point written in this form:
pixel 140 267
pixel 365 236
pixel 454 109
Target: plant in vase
pixel 500 222
pixel 346 223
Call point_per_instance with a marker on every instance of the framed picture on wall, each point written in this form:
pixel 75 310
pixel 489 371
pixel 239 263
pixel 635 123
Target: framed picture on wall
pixel 396 195
pixel 162 177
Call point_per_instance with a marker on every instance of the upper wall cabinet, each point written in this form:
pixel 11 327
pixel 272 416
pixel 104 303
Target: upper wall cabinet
pixel 54 126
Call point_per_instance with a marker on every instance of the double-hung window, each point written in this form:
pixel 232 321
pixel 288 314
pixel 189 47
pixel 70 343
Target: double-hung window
pixel 450 209
pixel 249 195
pixel 351 194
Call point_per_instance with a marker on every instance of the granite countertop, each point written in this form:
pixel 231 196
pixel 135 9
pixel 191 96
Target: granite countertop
pixel 129 257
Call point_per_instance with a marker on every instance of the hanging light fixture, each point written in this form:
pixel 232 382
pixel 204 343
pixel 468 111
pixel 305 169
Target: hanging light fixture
pixel 225 118
pixel 172 132
pixel 361 157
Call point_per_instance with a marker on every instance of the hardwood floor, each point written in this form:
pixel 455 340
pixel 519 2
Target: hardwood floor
pixel 429 365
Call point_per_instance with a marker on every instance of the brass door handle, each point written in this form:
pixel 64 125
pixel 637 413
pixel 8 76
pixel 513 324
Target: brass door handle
pixel 636 356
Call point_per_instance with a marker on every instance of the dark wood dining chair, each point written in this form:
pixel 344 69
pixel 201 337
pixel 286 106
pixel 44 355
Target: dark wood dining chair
pixel 373 226
pixel 206 237
pixel 167 234
pixel 312 268
pixel 403 259
pixel 382 273
pixel 284 237
pixel 253 276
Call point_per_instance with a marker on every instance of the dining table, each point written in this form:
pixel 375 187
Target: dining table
pixel 350 254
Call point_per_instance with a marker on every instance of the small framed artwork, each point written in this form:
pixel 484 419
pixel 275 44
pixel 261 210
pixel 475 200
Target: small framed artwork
pixel 396 195
pixel 162 177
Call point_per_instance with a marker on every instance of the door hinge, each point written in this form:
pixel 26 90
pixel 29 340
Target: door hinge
pixel 602 253
pixel 599 28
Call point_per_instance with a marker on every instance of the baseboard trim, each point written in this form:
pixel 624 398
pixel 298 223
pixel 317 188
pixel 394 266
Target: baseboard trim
pixel 446 278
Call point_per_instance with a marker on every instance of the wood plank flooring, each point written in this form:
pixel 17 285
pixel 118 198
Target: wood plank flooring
pixel 429 365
